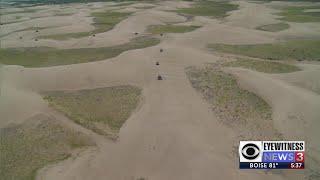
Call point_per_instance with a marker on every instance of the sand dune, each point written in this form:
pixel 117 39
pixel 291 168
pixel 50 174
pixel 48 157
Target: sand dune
pixel 173 134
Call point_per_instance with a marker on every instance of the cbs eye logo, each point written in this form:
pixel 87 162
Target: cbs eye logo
pixel 250 151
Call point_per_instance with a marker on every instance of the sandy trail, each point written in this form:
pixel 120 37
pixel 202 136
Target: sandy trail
pixel 173 134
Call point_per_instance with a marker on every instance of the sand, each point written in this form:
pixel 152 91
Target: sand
pixel 173 134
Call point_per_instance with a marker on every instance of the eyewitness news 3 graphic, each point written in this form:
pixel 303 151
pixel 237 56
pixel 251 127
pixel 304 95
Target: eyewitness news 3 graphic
pixel 272 154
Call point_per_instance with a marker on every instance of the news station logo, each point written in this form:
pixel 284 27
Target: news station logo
pixel 271 154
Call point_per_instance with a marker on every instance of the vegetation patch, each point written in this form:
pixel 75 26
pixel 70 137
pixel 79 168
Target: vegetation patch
pixel 286 0
pixel 234 106
pixel 34 144
pixel 11 21
pixel 159 29
pixel 144 7
pixel 295 50
pixel 263 66
pixel 66 36
pixel 43 56
pixel 28 3
pixel 26 29
pixel 301 14
pixel 267 1
pixel 35 28
pixel 274 27
pixel 209 8
pixel 102 21
pixel 122 4
pixel 20 11
pixel 103 110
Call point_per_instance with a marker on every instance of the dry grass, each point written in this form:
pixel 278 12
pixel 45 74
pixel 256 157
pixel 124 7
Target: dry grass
pixel 159 29
pixel 289 50
pixel 209 8
pixel 43 56
pixel 263 66
pixel 301 14
pixel 103 110
pixel 34 144
pixel 235 107
pixel 274 27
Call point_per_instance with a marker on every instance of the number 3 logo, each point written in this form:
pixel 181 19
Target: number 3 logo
pixel 299 156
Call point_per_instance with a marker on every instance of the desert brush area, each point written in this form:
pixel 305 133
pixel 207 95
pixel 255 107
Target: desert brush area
pixel 155 90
